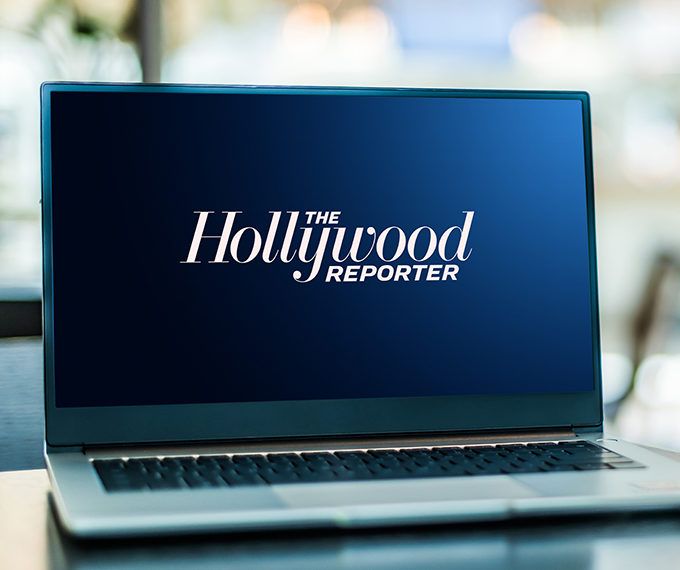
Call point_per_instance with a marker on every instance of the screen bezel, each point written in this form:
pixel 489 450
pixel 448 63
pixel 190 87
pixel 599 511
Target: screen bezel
pixel 120 425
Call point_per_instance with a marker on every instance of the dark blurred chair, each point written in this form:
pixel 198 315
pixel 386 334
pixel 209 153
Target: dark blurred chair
pixel 21 385
pixel 655 326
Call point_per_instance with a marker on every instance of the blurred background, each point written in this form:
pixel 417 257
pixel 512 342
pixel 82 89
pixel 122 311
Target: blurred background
pixel 626 53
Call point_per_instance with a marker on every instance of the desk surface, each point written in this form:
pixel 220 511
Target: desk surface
pixel 30 538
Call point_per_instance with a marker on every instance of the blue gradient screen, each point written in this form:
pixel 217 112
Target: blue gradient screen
pixel 241 247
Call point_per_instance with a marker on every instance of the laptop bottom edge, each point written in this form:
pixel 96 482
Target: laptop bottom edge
pixel 87 510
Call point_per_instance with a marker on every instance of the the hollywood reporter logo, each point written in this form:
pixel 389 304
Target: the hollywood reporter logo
pixel 347 252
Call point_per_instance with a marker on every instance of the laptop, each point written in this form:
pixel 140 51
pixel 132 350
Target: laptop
pixel 285 308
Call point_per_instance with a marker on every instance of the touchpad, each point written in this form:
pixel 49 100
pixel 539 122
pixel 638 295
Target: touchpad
pixel 421 490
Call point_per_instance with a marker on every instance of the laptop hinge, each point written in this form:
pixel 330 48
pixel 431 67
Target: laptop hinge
pixel 292 445
pixel 63 449
pixel 588 430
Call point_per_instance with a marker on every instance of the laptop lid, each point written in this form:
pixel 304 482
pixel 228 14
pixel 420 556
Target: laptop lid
pixel 256 262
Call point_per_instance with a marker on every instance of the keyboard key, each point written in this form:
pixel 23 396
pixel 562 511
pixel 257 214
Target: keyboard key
pixel 167 483
pixel 274 478
pixel 487 470
pixel 577 460
pixel 590 466
pixel 552 467
pixel 238 479
pixel 195 480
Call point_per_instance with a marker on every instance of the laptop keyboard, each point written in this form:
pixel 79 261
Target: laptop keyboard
pixel 320 466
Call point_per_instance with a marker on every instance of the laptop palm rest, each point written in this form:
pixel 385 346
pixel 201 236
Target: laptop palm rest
pixel 395 492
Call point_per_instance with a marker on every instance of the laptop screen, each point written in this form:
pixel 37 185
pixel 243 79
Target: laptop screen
pixel 256 247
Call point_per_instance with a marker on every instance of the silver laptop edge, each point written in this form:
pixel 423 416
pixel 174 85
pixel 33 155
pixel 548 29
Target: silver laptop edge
pixel 86 510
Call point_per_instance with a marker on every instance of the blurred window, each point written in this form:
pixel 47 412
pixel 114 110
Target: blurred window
pixel 626 53
pixel 44 40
